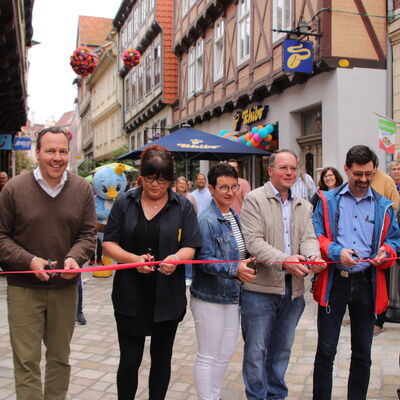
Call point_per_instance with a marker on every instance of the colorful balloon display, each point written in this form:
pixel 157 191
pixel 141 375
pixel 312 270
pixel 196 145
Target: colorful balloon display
pixel 259 136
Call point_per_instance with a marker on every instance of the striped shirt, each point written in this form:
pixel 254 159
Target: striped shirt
pixel 237 233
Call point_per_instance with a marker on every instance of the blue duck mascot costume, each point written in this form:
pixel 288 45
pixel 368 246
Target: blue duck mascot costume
pixel 107 183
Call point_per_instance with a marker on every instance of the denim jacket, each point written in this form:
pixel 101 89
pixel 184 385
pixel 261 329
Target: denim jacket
pixel 216 282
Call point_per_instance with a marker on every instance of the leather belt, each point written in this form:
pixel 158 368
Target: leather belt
pixel 355 275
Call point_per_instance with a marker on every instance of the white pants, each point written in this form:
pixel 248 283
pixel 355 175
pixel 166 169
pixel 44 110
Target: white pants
pixel 217 328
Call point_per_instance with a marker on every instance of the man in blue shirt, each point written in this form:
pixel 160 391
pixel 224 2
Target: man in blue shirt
pixel 352 222
pixel 202 194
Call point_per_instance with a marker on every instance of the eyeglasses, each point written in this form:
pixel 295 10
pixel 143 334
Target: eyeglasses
pixel 329 176
pixel 359 174
pixel 225 188
pixel 284 168
pixel 152 178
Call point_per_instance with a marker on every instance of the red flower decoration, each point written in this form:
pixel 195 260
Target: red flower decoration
pixel 83 61
pixel 131 58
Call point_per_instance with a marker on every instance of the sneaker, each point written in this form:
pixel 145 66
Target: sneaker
pixel 80 319
pixel 99 262
pixel 91 262
pixel 377 330
pixel 188 282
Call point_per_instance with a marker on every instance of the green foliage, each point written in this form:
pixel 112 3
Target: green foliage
pixel 85 167
pixel 22 161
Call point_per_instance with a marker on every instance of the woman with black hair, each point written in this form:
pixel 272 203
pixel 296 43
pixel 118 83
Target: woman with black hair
pixel 330 178
pixel 150 223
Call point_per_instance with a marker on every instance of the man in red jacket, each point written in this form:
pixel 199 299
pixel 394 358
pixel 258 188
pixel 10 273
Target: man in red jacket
pixel 353 223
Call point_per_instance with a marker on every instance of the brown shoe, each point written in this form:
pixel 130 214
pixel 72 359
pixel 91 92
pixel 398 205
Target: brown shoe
pixel 377 330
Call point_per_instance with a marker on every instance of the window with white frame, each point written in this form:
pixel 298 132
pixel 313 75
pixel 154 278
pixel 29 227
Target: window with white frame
pixel 134 86
pixel 243 30
pixel 218 50
pixel 281 15
pixel 140 81
pixel 133 23
pixel 185 7
pixel 157 64
pixel 191 70
pixel 149 67
pixel 127 97
pixel 136 19
pixel 144 6
pixel 199 65
pixel 151 5
pixel 129 25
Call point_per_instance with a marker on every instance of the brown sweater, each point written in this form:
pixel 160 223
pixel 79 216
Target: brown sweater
pixel 32 223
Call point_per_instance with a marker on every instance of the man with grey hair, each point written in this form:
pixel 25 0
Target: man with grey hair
pixel 3 179
pixel 278 231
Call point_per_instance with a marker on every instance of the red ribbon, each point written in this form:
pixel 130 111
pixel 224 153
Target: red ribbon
pixel 150 263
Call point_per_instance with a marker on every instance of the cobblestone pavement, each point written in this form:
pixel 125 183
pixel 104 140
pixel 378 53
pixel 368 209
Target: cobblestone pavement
pixel 95 353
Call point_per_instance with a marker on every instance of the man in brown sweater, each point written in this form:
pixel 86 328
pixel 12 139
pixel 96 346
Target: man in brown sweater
pixel 47 215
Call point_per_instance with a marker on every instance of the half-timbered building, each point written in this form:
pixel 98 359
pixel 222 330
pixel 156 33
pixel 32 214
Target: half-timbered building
pixel 232 58
pixel 150 88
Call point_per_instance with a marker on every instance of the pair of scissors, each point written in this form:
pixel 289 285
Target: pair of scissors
pixel 355 255
pixel 50 266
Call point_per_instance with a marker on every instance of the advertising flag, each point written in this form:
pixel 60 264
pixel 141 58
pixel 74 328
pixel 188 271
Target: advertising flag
pixel 387 135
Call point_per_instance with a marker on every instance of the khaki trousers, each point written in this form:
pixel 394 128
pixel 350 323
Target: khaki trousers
pixel 36 315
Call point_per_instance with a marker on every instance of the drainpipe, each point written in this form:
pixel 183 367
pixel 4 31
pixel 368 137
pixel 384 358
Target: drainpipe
pixel 389 75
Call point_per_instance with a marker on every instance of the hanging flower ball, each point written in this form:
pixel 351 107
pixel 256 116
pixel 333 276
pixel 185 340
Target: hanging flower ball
pixel 83 61
pixel 131 57
pixel 68 133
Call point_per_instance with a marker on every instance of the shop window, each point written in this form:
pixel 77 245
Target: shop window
pixel 311 122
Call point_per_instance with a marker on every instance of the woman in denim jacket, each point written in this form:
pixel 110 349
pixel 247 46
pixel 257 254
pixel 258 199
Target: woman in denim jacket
pixel 216 286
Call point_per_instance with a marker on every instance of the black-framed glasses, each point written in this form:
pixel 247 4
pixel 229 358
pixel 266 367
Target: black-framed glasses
pixel 367 174
pixel 225 188
pixel 152 178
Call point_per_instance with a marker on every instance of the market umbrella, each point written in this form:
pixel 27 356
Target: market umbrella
pixel 192 144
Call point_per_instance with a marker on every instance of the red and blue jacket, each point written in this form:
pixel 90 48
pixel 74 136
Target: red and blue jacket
pixel 386 233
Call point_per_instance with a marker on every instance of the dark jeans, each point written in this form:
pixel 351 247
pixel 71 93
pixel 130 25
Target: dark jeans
pixel 356 292
pixel 131 353
pixel 80 295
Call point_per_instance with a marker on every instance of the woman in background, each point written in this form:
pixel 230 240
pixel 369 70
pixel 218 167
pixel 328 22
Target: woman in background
pixel 330 178
pixel 181 187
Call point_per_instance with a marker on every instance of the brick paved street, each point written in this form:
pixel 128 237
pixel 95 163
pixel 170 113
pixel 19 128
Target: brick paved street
pixel 95 354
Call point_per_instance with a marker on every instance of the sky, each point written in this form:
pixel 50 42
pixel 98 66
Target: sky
pixel 55 24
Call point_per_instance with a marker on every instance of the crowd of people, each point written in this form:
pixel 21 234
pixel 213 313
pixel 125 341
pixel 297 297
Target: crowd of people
pixel 253 251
